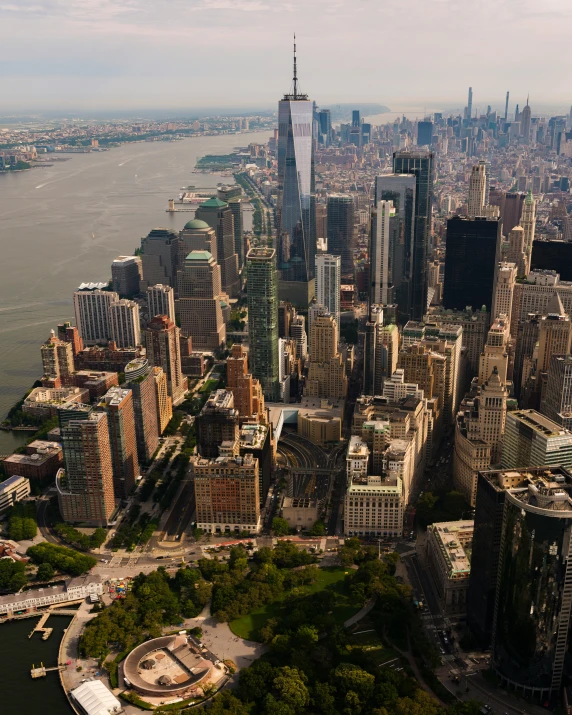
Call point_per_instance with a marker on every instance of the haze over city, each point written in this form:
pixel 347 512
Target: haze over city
pixel 143 54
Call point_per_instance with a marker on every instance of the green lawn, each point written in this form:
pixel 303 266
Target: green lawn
pixel 332 578
pixel 366 639
pixel 209 386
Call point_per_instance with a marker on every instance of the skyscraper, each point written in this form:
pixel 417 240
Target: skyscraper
pixel 557 401
pixel 158 261
pixel 526 123
pixel 477 190
pixel 420 164
pixel 328 283
pixel 528 223
pixel 424 133
pixel 218 215
pixel 140 380
pixel 161 301
pixel 470 104
pixel 401 190
pixel 200 301
pixel 504 290
pixel 511 211
pixel 124 324
pixel 326 372
pixel 263 319
pixel 383 239
pixel 118 404
pixel 163 350
pixel 85 485
pixel 341 231
pixel 296 203
pixel 469 274
pixel 126 274
pixel 520 591
pixel 532 439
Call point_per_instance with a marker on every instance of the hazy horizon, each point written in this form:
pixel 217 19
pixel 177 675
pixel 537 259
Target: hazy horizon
pixel 126 55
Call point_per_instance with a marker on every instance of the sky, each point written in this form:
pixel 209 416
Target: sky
pixel 185 54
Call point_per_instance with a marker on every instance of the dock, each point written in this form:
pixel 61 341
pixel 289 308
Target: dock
pixel 52 611
pixel 42 671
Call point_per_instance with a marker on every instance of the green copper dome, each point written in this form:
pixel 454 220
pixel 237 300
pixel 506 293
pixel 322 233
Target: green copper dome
pixel 196 223
pixel 213 203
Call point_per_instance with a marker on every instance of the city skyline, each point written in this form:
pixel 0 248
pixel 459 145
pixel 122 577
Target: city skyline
pixel 120 48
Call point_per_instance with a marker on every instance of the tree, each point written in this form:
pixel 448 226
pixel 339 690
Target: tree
pixel 291 687
pixel 348 677
pixel 45 572
pixel 12 575
pixel 226 702
pixel 319 528
pixel 280 526
pixel 425 509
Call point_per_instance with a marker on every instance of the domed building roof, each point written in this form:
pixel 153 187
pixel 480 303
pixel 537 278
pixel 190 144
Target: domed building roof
pixel 196 224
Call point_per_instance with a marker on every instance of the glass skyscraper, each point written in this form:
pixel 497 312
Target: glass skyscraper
pixel 297 238
pixel 263 319
pixel 420 164
pixel 340 231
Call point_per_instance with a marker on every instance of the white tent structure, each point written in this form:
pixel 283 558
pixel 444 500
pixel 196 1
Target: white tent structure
pixel 95 699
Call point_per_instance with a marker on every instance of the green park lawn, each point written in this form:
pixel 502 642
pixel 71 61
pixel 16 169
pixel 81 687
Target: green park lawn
pixel 209 386
pixel 248 626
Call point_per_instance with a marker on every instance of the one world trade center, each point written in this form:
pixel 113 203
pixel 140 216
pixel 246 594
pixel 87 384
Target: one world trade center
pixel 296 207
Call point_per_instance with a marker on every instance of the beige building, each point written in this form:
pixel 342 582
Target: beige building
pixel 495 353
pixel 477 191
pixel 504 290
pixel 161 301
pixel 164 351
pixel 300 513
pixel 449 545
pixel 320 425
pixel 44 402
pixel 374 507
pixel 124 323
pixel 326 374
pixel 475 324
pixel 515 252
pixel 200 301
pixel 13 490
pixel 227 494
pixel 57 362
pixel 357 460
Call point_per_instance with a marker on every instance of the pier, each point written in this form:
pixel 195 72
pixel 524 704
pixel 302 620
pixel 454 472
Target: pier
pixel 42 671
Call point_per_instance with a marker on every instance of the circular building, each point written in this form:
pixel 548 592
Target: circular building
pixel 170 665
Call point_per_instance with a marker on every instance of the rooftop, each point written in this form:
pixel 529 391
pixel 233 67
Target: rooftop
pixel 377 485
pixel 539 423
pixel 11 482
pixel 199 256
pixel 196 224
pixel 214 203
pixel 454 539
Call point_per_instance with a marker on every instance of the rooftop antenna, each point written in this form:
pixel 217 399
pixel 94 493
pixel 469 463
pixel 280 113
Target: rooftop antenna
pixel 295 71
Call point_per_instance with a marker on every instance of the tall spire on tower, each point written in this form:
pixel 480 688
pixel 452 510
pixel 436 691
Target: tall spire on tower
pixel 295 70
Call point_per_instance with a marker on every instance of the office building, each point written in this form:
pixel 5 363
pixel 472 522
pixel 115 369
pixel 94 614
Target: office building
pixel 85 486
pixel 340 232
pixel 164 401
pixel 263 319
pixel 532 439
pixel 296 198
pixel 164 351
pixel 159 258
pixel 400 189
pixel 118 404
pixel 448 553
pixel 475 325
pixel 247 391
pixel 328 283
pixel 200 301
pixel 126 274
pixel 374 508
pixel 469 274
pixel 237 205
pixel 299 336
pixel 495 352
pixel 526 123
pixel 528 223
pixel 140 380
pixel 41 461
pixel 124 323
pixel 227 494
pixel 196 235
pixel 511 211
pixel 515 252
pixel 326 372
pixel 557 400
pixel 92 314
pixel 161 301
pixel 424 133
pixel 218 215
pixel 13 490
pixel 552 255
pixel 381 349
pixel 479 433
pixel 504 290
pixel 420 164
pixel 554 333
pixel 218 422
pixel 382 247
pixel 477 191
pixel 520 594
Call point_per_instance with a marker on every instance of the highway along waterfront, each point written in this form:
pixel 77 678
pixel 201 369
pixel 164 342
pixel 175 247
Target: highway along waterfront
pixel 64 224
pixel 18 692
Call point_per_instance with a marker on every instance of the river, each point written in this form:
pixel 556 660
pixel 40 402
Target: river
pixel 44 696
pixel 64 224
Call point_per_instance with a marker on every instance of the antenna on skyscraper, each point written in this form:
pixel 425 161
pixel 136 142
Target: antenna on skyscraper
pixel 295 70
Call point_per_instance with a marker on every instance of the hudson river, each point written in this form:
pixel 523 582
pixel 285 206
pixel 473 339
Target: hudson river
pixel 63 225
